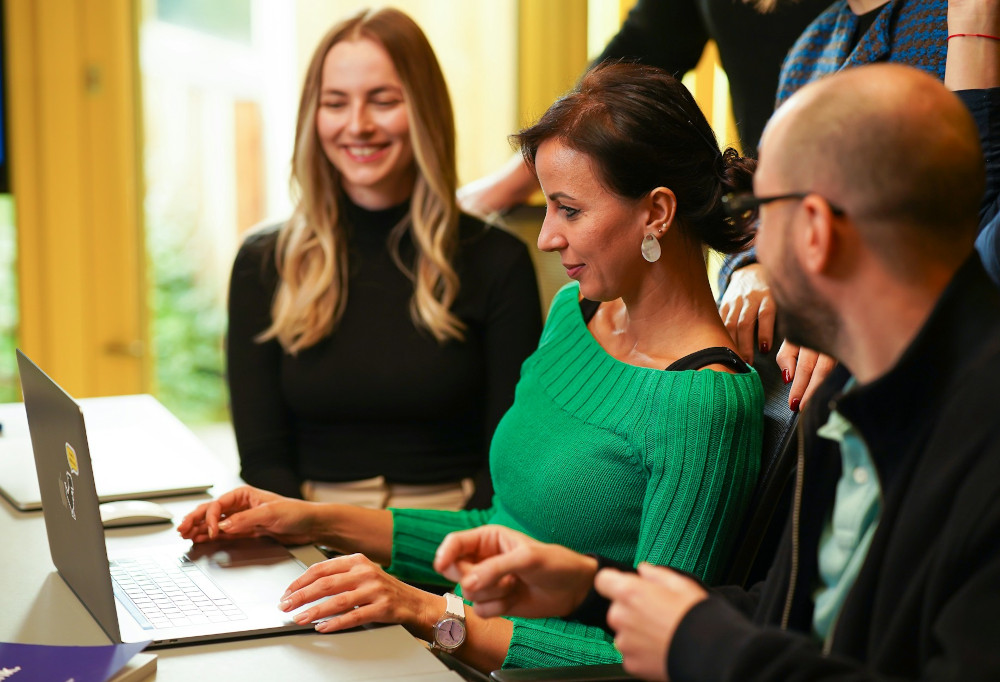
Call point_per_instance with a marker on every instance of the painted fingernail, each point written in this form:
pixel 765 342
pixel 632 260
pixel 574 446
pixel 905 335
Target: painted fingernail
pixel 286 595
pixel 764 347
pixel 303 618
pixel 786 375
pixel 285 604
pixel 225 525
pixel 795 404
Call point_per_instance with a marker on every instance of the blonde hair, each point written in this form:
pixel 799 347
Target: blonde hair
pixel 311 249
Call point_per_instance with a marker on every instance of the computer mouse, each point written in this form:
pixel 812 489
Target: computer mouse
pixel 133 513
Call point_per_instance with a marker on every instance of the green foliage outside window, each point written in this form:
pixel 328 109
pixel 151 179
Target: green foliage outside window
pixel 188 324
pixel 187 328
pixel 9 391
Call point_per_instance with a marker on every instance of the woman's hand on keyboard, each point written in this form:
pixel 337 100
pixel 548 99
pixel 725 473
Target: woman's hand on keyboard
pixel 355 591
pixel 251 512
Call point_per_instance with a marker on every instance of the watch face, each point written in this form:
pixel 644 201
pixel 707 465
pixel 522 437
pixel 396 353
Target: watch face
pixel 450 633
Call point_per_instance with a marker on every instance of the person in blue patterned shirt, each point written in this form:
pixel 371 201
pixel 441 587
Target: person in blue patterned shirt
pixel 847 34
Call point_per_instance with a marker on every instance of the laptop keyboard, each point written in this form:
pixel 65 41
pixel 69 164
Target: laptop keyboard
pixel 170 591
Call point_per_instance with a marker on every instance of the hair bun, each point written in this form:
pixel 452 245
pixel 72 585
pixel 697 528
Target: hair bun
pixel 642 129
pixel 736 171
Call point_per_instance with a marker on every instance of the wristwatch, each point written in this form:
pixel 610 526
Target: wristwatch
pixel 449 631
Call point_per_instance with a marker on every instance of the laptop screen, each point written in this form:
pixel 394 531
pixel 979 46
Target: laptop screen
pixel 69 498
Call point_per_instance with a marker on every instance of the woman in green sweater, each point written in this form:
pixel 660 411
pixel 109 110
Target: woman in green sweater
pixel 635 430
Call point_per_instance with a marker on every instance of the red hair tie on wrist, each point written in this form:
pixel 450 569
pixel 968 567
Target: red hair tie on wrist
pixel 973 35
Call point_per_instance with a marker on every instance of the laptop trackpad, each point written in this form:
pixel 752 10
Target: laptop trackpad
pixel 251 571
pixel 234 553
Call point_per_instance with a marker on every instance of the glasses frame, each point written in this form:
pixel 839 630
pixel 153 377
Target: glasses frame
pixel 739 204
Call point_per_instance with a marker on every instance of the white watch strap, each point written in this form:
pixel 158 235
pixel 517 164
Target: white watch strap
pixel 455 605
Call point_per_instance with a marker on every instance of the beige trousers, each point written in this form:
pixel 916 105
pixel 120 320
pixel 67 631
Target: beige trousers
pixel 376 493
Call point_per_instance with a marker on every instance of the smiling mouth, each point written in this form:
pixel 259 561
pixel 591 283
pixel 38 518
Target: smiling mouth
pixel 365 152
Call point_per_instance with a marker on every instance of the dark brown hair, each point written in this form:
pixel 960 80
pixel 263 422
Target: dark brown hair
pixel 642 129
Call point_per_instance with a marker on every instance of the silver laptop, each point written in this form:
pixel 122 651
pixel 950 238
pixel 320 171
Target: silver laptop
pixel 214 591
pixel 123 448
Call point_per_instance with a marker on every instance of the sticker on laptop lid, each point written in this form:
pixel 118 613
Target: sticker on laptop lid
pixel 74 466
pixel 68 491
pixel 68 487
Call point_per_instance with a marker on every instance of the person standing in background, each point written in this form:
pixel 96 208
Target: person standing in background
pixel 753 39
pixel 847 34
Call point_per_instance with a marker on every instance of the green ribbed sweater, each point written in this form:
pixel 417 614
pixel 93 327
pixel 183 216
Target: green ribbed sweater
pixel 632 463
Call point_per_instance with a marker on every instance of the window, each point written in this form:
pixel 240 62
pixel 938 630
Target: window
pixel 221 84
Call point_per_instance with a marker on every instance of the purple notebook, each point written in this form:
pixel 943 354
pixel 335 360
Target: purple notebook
pixel 44 663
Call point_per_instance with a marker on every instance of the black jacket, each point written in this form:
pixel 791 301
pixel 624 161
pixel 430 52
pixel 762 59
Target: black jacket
pixel 926 604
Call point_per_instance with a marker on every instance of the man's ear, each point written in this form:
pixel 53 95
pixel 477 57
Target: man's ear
pixel 661 211
pixel 817 240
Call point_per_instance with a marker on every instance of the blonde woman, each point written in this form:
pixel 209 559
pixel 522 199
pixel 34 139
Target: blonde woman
pixel 375 338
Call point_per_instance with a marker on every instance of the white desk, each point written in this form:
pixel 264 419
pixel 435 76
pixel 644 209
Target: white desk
pixel 37 607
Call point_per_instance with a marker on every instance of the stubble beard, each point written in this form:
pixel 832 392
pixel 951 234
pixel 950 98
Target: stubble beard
pixel 804 317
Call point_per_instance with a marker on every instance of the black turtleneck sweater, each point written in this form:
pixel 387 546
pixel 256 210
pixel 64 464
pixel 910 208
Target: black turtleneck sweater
pixel 380 396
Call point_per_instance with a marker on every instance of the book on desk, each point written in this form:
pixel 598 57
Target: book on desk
pixel 47 663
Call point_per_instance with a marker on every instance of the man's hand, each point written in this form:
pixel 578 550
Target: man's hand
pixel 504 572
pixel 645 612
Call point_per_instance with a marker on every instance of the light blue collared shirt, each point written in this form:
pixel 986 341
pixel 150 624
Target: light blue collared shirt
pixel 848 533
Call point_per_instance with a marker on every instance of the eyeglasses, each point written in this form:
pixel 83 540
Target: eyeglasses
pixel 742 204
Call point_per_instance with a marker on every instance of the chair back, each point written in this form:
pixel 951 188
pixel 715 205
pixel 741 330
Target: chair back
pixel 761 529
